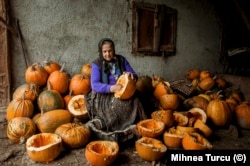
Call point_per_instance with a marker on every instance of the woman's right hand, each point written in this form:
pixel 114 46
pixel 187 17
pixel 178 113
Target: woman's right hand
pixel 115 88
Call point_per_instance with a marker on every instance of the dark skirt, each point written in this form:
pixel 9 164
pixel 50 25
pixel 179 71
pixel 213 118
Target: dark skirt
pixel 114 114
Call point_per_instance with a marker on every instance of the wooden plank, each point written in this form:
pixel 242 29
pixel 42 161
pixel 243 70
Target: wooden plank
pixel 4 59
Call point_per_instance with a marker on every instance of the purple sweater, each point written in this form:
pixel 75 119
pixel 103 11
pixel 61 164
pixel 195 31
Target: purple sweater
pixel 100 87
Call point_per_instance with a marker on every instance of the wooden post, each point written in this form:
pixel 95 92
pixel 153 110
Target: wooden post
pixel 4 59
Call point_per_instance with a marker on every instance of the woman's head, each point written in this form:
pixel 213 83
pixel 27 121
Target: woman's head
pixel 106 49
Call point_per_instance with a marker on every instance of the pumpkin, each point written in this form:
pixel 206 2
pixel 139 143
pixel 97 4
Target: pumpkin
pixel 36 74
pixel 180 119
pixel 73 135
pixel 44 147
pixel 51 66
pixel 20 128
pixel 165 116
pixel 150 128
pixel 67 98
pixel 19 107
pixel 77 107
pixel 50 99
pixel 172 138
pixel 79 84
pixel 232 103
pixel 144 85
pixel 205 96
pixel 162 88
pixel 207 83
pixel 59 80
pixel 195 141
pixel 150 149
pixel 196 113
pixel 205 74
pixel 169 101
pixel 219 113
pixel 49 121
pixel 187 129
pixel 128 87
pixel 196 102
pixel 86 70
pixel 242 115
pixel 238 95
pixel 101 152
pixel 30 91
pixel 193 74
pixel 203 128
pixel 221 83
pixel 195 83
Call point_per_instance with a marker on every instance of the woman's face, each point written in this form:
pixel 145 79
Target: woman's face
pixel 107 52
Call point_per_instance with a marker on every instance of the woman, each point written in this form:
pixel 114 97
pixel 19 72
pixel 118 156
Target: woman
pixel 105 111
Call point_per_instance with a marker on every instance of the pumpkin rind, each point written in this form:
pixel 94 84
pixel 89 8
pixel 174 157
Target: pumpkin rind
pixel 80 84
pixel 101 152
pixel 19 107
pixel 49 121
pixel 169 101
pixel 172 138
pixel 150 149
pixel 86 70
pixel 44 147
pixel 51 66
pixel 195 141
pixel 128 87
pixel 20 128
pixel 77 107
pixel 150 128
pixel 73 135
pixel 165 116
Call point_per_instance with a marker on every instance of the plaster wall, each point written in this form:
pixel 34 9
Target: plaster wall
pixel 69 30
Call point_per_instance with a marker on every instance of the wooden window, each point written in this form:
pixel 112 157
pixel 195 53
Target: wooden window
pixel 154 29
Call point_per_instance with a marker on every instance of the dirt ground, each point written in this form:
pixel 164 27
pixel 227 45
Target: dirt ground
pixel 12 154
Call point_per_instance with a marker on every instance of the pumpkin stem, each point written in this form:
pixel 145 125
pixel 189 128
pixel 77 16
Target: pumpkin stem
pixel 62 67
pixel 49 85
pixel 22 140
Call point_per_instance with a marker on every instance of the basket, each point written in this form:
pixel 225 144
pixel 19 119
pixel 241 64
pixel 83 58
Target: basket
pixel 181 87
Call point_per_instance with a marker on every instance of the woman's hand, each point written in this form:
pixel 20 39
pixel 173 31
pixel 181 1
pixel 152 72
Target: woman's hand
pixel 115 88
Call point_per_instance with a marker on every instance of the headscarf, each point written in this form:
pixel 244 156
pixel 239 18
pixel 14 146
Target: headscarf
pixel 105 67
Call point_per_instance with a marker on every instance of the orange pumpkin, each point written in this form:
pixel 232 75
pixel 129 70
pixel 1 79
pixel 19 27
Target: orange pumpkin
pixel 101 152
pixel 242 115
pixel 195 141
pixel 59 80
pixel 162 88
pixel 150 128
pixel 19 107
pixel 221 83
pixel 77 107
pixel 180 119
pixel 79 84
pixel 203 128
pixel 207 83
pixel 165 116
pixel 144 85
pixel 50 99
pixel 197 102
pixel 150 149
pixel 86 70
pixel 193 74
pixel 219 113
pixel 36 74
pixel 51 66
pixel 128 87
pixel 73 135
pixel 169 101
pixel 205 74
pixel 67 98
pixel 173 138
pixel 30 91
pixel 20 128
pixel 44 147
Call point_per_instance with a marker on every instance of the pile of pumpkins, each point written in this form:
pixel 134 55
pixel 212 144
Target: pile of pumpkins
pixel 187 122
pixel 45 111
